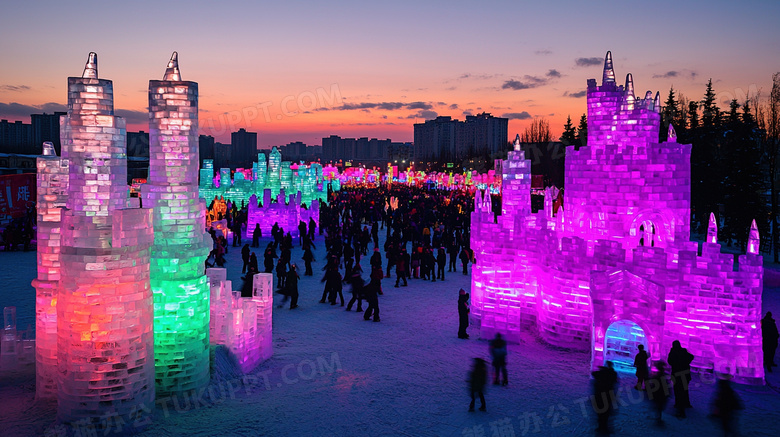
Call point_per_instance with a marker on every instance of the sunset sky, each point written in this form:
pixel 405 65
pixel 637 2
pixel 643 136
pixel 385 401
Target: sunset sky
pixel 298 71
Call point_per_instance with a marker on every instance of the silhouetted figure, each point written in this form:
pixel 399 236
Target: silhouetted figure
pixel 370 292
pixel 604 381
pixel 658 389
pixel 401 266
pixel 463 313
pixel 253 262
pixel 332 280
pixel 256 235
pixel 769 338
pixel 679 360
pixel 281 273
pixel 268 258
pixel 245 258
pixel 292 286
pixel 248 286
pixel 441 260
pixel 357 291
pixel 464 260
pixel 725 406
pixel 308 257
pixel 498 353
pixel 642 371
pixel 477 380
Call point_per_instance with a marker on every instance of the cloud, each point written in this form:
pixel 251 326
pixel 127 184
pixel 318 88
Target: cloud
pixel 14 109
pixel 517 115
pixel 588 62
pixel 543 52
pixel 452 88
pixel 553 73
pixel 14 88
pixel 526 83
pixel 424 114
pixel 454 106
pixel 467 113
pixel 675 73
pixel 576 94
pixel 385 106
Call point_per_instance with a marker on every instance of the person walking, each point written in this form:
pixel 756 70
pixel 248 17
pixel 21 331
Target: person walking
pixel 642 371
pixel 371 292
pixel 357 283
pixel 477 380
pixel 463 313
pixel 292 286
pixel 604 381
pixel 401 266
pixel 245 257
pixel 441 260
pixel 680 361
pixel 256 235
pixel 769 337
pixel 658 390
pixel 253 262
pixel 498 352
pixel 464 260
pixel 725 405
pixel 308 257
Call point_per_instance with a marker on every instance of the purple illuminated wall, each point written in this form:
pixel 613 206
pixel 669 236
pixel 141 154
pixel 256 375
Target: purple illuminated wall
pixel 621 250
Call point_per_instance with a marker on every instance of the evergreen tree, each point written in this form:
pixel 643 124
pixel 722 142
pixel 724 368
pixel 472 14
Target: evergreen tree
pixel 669 115
pixel 709 111
pixel 569 135
pixel 693 115
pixel 582 132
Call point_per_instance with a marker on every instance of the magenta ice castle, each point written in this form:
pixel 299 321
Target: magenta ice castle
pixel 617 268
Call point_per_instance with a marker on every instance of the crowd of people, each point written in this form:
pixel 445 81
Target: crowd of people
pixel 426 237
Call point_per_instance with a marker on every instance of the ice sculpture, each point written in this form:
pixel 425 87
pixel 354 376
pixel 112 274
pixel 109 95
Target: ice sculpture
pixel 178 280
pixel 104 300
pixel 621 256
pixel 52 194
pixel 243 324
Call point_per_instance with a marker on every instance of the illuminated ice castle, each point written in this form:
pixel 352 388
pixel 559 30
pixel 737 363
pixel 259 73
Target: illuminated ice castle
pixel 617 268
pixel 122 299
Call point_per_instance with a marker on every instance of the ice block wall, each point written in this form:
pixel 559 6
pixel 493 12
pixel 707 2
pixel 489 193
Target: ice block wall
pixel 243 324
pixel 104 302
pixel 52 194
pixel 179 283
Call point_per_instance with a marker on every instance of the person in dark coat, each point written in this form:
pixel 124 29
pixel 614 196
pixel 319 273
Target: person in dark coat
pixel 376 259
pixel 679 360
pixel 642 371
pixel 370 292
pixel 464 260
pixel 281 273
pixel 245 257
pixel 268 258
pixel 308 257
pixel 257 234
pixel 312 227
pixel 253 262
pixel 291 285
pixel 441 260
pixel 248 287
pixel 604 381
pixel 477 380
pixel 498 353
pixel 769 337
pixel 463 313
pixel 357 283
pixel 725 406
pixel 658 389
pixel 401 266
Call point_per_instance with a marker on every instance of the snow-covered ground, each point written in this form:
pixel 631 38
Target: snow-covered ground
pixel 332 373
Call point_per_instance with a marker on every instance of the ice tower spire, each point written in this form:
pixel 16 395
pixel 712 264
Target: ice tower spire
pixel 672 134
pixel 517 143
pixel 609 72
pixel 630 99
pixel 657 103
pixel 90 70
pixel 753 239
pixel 172 71
pixel 712 230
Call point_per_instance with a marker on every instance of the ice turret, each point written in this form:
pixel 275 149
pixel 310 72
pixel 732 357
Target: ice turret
pixel 172 71
pixel 753 239
pixel 657 103
pixel 90 69
pixel 672 137
pixel 517 143
pixel 712 230
pixel 629 90
pixel 609 71
pixel 648 101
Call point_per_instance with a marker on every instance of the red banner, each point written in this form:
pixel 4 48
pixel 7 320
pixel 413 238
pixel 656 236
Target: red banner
pixel 17 193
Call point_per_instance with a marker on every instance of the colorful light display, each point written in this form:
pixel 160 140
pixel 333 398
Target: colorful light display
pixel 105 353
pixel 621 254
pixel 178 280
